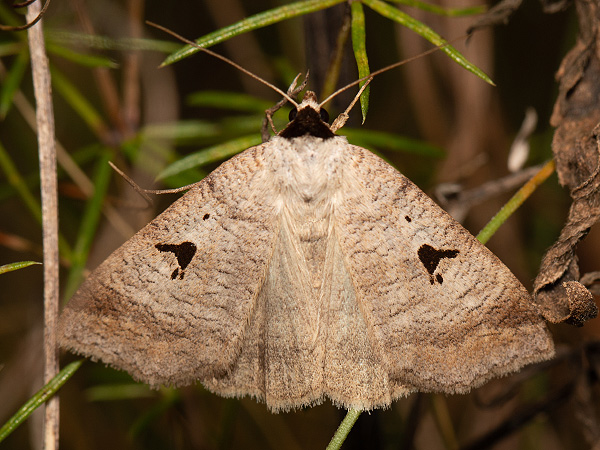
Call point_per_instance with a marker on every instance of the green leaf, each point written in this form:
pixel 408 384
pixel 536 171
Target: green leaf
pixel 89 224
pixel 360 52
pixel 81 58
pixel 124 391
pixel 183 130
pixel 516 201
pixel 228 100
pixel 211 154
pixel 420 28
pixel 11 48
pixel 16 266
pixel 254 22
pixel 18 183
pixel 78 102
pixel 390 141
pixel 436 9
pixel 245 124
pixel 332 74
pixel 109 43
pixel 12 82
pixel 39 398
pixel 200 131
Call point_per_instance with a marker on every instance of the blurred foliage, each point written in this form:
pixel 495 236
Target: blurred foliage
pixel 113 102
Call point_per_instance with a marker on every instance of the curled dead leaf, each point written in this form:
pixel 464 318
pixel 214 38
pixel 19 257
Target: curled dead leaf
pixel 576 147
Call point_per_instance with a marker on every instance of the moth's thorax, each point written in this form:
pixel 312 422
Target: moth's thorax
pixel 310 168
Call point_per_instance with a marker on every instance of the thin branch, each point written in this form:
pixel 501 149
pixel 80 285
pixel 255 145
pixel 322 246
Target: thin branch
pixel 344 429
pixel 48 183
pixel 517 200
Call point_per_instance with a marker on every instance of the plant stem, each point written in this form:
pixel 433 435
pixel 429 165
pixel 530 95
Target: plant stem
pixel 39 398
pixel 47 156
pixel 517 200
pixel 342 432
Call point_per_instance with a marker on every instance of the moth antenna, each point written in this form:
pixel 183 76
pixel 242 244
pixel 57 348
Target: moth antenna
pixel 144 192
pixel 187 187
pixel 224 59
pixel 340 120
pixel 133 184
pixel 292 91
pixel 390 67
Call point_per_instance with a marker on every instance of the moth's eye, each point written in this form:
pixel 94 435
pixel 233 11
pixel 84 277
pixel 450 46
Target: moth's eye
pixel 324 115
pixel 293 113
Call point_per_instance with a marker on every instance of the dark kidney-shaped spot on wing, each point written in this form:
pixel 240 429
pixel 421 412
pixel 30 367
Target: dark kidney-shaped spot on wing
pixel 184 253
pixel 431 257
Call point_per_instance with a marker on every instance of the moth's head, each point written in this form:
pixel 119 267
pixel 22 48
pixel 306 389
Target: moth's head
pixel 310 101
pixel 308 119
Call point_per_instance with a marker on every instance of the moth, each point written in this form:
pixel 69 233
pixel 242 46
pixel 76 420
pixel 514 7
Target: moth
pixel 302 269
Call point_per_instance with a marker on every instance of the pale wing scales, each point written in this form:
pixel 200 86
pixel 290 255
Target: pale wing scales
pixel 172 304
pixel 445 312
pixel 356 374
pixel 293 354
pixel 281 361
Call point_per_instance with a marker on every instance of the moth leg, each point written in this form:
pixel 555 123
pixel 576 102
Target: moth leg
pixel 292 91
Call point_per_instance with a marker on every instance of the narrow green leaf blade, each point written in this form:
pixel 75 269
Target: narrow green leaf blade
pixel 15 179
pixel 11 48
pixel 82 59
pixel 228 100
pixel 91 41
pixel 78 101
pixel 16 266
pixel 390 141
pixel 420 28
pixel 259 20
pixel 125 391
pixel 516 201
pixel 360 52
pixel 89 224
pixel 211 154
pixel 13 81
pixel 181 131
pixel 436 9
pixel 39 398
pixel 20 185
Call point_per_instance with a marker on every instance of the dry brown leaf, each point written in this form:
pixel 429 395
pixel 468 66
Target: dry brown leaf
pixel 576 146
pixel 500 13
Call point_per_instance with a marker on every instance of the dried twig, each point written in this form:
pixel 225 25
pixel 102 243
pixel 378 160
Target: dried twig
pixel 47 155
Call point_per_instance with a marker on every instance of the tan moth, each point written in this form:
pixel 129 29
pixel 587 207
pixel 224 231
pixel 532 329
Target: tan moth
pixel 302 269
